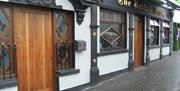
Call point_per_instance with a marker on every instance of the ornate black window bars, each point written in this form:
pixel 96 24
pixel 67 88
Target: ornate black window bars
pixel 8 65
pixel 112 31
pixel 154 32
pixel 165 33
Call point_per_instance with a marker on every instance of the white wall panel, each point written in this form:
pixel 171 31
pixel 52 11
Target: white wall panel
pixel 111 63
pixel 165 51
pixel 154 53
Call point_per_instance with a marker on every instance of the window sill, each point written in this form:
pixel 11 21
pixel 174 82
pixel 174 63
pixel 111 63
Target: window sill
pixel 8 83
pixel 112 52
pixel 67 72
pixel 154 46
pixel 165 45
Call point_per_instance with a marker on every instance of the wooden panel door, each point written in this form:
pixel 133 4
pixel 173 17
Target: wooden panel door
pixel 34 39
pixel 138 51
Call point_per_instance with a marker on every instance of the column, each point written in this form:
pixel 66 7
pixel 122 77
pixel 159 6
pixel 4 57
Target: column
pixel 131 30
pixel 171 31
pixel 147 41
pixel 94 72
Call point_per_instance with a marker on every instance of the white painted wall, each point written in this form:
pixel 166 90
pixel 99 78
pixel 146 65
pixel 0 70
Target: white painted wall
pixel 154 53
pixel 165 51
pixel 112 63
pixel 82 59
pixel 9 89
pixel 176 17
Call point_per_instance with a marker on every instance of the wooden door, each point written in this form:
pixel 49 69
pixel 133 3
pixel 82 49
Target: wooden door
pixel 138 51
pixel 34 40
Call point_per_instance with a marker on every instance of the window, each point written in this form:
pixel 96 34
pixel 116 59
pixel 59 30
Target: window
pixel 165 33
pixel 112 31
pixel 154 32
pixel 7 47
pixel 64 40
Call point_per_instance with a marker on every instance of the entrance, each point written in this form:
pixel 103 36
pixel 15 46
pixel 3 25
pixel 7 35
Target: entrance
pixel 34 41
pixel 138 51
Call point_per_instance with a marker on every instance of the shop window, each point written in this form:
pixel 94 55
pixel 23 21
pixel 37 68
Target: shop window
pixel 154 32
pixel 112 31
pixel 7 47
pixel 165 33
pixel 64 40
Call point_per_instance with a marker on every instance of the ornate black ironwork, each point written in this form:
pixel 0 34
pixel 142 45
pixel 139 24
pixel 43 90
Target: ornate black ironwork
pixel 42 2
pixel 80 8
pixel 63 54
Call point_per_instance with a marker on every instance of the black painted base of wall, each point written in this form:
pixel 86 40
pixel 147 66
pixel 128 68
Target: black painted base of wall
pixel 100 79
pixel 131 65
pixel 111 75
pixel 94 75
pixel 147 60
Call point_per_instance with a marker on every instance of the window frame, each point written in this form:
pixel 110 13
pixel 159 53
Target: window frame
pixel 166 25
pixel 155 23
pixel 111 22
pixel 72 69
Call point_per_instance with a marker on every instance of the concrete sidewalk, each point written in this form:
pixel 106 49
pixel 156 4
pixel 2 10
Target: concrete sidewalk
pixel 161 75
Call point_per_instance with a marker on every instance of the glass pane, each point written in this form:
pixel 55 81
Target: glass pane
pixel 165 35
pixel 4 62
pixel 154 35
pixel 61 24
pixel 107 16
pixel 116 18
pixel 104 26
pixel 109 35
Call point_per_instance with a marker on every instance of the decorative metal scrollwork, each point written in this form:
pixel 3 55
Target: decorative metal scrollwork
pixel 63 52
pixel 80 9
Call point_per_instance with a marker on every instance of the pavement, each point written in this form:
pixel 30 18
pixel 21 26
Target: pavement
pixel 161 75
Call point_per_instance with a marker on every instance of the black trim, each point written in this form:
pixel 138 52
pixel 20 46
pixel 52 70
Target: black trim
pixel 152 61
pixel 154 46
pixel 8 83
pixel 113 74
pixel 102 78
pixel 67 72
pixel 77 88
pixel 113 5
pixel 165 55
pixel 113 52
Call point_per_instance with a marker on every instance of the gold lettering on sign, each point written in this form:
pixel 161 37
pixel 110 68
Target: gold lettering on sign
pixel 141 6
